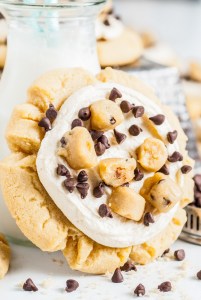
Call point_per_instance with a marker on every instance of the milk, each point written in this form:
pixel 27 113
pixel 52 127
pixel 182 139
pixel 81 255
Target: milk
pixel 32 51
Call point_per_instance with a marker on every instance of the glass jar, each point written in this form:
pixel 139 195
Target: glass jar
pixel 42 35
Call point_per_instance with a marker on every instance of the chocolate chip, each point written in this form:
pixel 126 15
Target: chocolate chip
pixel 84 114
pixel 82 176
pixel 140 290
pixel 164 170
pixel 45 123
pixel 176 156
pixel 186 169
pixel 134 130
pixel 62 171
pixel 126 106
pixel 172 136
pixel 99 148
pixel 166 252
pixel 199 275
pixel 106 22
pixel 138 175
pixel 83 188
pixel 179 254
pixel 71 285
pixel 95 134
pixel 70 184
pixel 51 113
pixel 104 211
pixel 148 219
pixel 128 266
pixel 138 111
pixel 165 286
pixel 104 140
pixel 166 202
pixel 158 119
pixel 120 137
pixel 112 121
pixel 98 191
pixel 63 142
pixel 114 94
pixel 117 277
pixel 197 180
pixel 125 184
pixel 29 286
pixel 76 123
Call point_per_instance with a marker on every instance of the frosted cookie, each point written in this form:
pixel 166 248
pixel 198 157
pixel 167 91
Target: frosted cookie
pixel 105 181
pixel 3 51
pixel 4 256
pixel 117 45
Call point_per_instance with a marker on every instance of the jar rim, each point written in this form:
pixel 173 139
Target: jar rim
pixel 51 3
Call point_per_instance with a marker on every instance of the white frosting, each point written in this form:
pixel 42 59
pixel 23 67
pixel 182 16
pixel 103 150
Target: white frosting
pixel 110 32
pixel 116 232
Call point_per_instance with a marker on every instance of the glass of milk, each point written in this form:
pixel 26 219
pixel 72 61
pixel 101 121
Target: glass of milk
pixel 42 35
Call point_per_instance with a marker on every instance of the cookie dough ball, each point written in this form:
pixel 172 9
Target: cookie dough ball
pixel 79 151
pixel 152 154
pixel 161 192
pixel 127 203
pixel 120 51
pixel 117 171
pixel 4 256
pixel 105 115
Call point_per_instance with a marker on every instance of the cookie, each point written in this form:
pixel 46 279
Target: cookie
pixel 155 247
pixel 4 256
pixel 3 51
pixel 59 187
pixel 162 54
pixel 195 71
pixel 148 39
pixel 120 50
pixel 192 91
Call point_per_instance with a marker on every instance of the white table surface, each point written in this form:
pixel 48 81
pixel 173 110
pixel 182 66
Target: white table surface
pixel 50 272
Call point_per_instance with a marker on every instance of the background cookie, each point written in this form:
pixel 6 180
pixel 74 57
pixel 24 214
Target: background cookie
pixel 4 256
pixel 3 51
pixel 122 50
pixel 36 214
